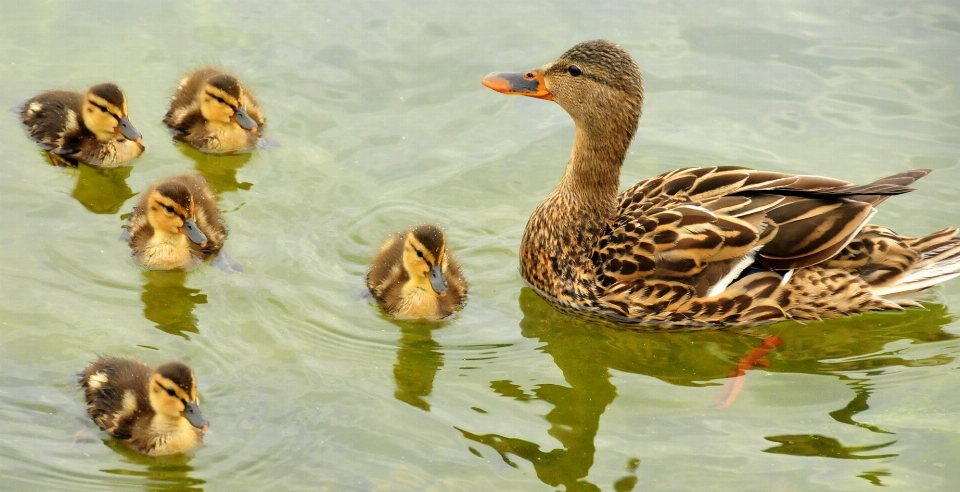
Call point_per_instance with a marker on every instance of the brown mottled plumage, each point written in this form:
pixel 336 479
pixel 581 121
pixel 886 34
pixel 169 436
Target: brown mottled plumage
pixel 176 224
pixel 212 111
pixel 414 275
pixel 93 128
pixel 154 411
pixel 704 246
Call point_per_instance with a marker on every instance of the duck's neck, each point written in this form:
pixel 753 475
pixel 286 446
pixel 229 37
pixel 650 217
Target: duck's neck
pixel 563 231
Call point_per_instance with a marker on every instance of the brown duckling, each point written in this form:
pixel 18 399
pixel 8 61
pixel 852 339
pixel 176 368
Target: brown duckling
pixel 93 128
pixel 153 411
pixel 176 224
pixel 212 111
pixel 710 245
pixel 414 275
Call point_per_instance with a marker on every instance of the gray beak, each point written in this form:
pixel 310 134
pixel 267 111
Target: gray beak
pixel 437 281
pixel 128 131
pixel 244 120
pixel 193 415
pixel 193 232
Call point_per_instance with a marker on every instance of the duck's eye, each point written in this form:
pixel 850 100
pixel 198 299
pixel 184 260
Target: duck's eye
pixel 102 108
pixel 171 392
pixel 574 70
pixel 169 208
pixel 419 254
pixel 220 99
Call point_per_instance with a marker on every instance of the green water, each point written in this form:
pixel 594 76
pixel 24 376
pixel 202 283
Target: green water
pixel 383 123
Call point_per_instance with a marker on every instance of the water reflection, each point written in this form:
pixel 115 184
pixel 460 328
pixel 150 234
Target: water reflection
pixel 418 360
pixel 102 191
pixel 159 473
pixel 219 170
pixel 586 353
pixel 169 304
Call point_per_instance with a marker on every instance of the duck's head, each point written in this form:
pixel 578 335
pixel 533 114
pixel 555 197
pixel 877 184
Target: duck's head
pixel 221 100
pixel 424 257
pixel 105 114
pixel 596 82
pixel 173 394
pixel 171 208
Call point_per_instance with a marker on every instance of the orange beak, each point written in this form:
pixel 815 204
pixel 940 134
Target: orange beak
pixel 529 84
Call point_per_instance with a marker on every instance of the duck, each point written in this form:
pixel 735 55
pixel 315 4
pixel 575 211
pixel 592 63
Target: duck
pixel 93 128
pixel 415 276
pixel 154 411
pixel 176 224
pixel 706 246
pixel 213 112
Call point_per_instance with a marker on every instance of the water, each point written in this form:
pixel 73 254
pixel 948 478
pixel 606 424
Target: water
pixel 383 123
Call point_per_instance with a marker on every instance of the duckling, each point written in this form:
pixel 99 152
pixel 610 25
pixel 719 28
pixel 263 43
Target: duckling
pixel 212 111
pixel 93 128
pixel 176 224
pixel 414 275
pixel 154 411
pixel 704 246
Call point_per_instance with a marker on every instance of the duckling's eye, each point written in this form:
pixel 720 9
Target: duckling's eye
pixel 220 99
pixel 171 392
pixel 102 108
pixel 574 70
pixel 169 208
pixel 419 254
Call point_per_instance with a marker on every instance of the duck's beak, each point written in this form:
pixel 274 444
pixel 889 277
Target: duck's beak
pixel 193 415
pixel 525 84
pixel 437 281
pixel 193 232
pixel 128 131
pixel 244 120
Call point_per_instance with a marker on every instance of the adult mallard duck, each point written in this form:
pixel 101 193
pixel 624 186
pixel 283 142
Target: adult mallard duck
pixel 93 128
pixel 154 411
pixel 414 275
pixel 176 224
pixel 710 245
pixel 212 111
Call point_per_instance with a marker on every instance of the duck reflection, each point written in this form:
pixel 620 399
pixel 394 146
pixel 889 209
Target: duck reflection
pixel 418 360
pixel 169 304
pixel 220 170
pixel 586 353
pixel 158 472
pixel 102 191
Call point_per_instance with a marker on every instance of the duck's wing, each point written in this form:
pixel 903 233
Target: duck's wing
pixel 698 228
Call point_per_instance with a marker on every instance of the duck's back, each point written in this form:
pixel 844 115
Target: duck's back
pixel 386 275
pixel 116 394
pixel 51 116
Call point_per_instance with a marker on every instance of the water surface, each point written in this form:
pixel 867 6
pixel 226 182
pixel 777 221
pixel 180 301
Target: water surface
pixel 383 123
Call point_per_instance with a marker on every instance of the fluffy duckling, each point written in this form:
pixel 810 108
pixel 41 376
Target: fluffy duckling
pixel 154 411
pixel 176 224
pixel 213 112
pixel 415 276
pixel 93 128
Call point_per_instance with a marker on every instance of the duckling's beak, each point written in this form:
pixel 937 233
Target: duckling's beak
pixel 193 232
pixel 244 120
pixel 437 281
pixel 128 131
pixel 193 415
pixel 525 84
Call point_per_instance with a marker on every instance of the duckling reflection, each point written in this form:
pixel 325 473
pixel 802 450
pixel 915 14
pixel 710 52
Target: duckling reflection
pixel 586 353
pixel 171 472
pixel 220 170
pixel 102 190
pixel 418 360
pixel 169 304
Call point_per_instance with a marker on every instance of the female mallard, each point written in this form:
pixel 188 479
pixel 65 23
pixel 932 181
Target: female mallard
pixel 704 246
pixel 214 113
pixel 93 128
pixel 176 224
pixel 154 411
pixel 414 275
